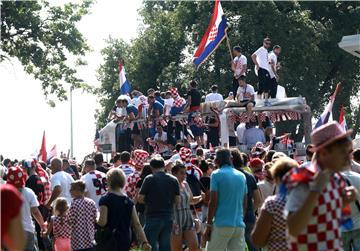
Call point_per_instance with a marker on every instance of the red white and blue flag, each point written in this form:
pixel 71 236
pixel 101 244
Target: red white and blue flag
pixel 125 86
pixel 326 116
pixel 342 120
pixel 52 153
pixel 214 35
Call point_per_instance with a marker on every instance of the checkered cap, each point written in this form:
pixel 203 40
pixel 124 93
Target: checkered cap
pixel 185 154
pixel 327 134
pixel 16 177
pixel 174 91
pixel 140 158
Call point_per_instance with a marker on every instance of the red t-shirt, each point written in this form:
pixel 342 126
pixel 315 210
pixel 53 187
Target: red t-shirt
pixel 11 201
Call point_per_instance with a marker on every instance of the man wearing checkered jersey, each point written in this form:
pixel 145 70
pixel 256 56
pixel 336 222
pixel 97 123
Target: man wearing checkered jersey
pixel 318 192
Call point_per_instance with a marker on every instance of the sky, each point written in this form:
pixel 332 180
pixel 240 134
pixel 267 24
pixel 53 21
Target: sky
pixel 23 108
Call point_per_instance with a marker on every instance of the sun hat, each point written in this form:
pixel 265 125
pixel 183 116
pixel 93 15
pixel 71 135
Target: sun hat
pixel 327 134
pixel 140 158
pixel 185 154
pixel 16 177
pixel 278 155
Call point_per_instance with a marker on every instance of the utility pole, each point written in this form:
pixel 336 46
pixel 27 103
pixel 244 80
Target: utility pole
pixel 71 126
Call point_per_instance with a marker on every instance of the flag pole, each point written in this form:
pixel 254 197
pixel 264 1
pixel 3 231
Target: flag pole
pixel 229 46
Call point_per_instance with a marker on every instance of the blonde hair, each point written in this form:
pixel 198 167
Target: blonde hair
pixel 115 178
pixel 281 166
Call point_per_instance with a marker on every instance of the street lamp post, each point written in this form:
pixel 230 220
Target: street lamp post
pixel 71 126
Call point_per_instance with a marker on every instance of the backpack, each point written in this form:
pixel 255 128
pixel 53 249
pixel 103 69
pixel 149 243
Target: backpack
pixel 194 185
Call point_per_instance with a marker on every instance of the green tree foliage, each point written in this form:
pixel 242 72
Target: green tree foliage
pixel 308 33
pixel 44 38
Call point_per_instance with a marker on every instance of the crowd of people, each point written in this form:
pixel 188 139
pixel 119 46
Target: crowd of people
pixel 158 192
pixel 156 122
pixel 218 200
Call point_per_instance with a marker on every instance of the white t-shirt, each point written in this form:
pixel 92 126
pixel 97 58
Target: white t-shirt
pixel 281 93
pixel 168 103
pixel 355 167
pixel 354 179
pixel 214 97
pixel 63 180
pixel 240 129
pixel 272 58
pixel 95 182
pixel 136 101
pixel 30 200
pixel 266 189
pixel 262 58
pixel 245 93
pixel 239 62
pixel 162 148
pixel 120 111
pixel 174 158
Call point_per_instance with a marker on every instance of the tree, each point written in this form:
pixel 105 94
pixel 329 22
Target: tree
pixel 108 75
pixel 45 40
pixel 308 33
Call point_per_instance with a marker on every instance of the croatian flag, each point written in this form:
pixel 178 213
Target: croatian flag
pixel 213 36
pixel 326 116
pixel 342 120
pixel 125 86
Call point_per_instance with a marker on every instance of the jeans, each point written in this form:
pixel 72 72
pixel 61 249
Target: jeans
pixel 351 240
pixel 158 232
pixel 30 242
pixel 227 238
pixel 248 229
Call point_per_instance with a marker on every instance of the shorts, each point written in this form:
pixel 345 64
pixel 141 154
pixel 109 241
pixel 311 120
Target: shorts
pixel 197 131
pixel 244 103
pixel 194 108
pixel 273 88
pixel 264 81
pixel 183 221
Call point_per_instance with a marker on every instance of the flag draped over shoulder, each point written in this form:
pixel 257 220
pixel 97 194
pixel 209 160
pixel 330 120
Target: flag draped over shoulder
pixel 125 86
pixel 326 116
pixel 214 35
